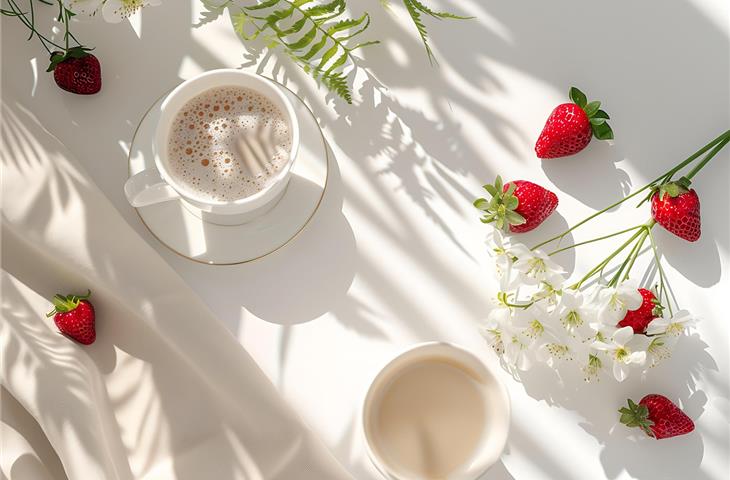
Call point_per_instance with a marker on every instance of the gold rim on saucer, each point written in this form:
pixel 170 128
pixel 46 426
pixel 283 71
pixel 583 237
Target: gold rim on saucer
pixel 316 208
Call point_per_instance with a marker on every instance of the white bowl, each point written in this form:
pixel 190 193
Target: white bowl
pixel 497 408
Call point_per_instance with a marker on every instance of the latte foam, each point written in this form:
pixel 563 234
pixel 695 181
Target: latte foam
pixel 228 143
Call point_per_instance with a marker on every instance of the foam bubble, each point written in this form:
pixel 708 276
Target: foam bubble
pixel 205 152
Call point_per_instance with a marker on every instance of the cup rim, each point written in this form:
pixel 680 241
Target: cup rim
pixel 272 90
pixel 482 462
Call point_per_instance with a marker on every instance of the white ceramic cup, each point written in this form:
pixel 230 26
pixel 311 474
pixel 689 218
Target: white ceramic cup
pixel 157 184
pixel 497 406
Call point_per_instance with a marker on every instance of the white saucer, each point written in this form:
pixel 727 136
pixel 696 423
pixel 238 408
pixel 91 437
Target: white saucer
pixel 187 235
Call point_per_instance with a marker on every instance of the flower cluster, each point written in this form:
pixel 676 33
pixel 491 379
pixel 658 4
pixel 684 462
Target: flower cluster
pixel 539 318
pixel 113 11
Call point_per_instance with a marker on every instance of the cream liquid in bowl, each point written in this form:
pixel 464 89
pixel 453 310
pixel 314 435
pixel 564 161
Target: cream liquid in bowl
pixel 430 419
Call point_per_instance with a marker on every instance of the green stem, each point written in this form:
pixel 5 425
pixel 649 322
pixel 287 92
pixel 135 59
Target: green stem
pixel 17 12
pixel 66 18
pixel 630 258
pixel 636 255
pixel 514 305
pixel 665 177
pixel 605 262
pixel 663 284
pixel 593 240
pixel 707 158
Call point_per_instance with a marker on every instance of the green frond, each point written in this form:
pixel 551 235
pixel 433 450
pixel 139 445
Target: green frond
pixel 263 5
pixel 415 8
pixel 415 14
pixel 435 14
pixel 313 33
pixel 329 10
pixel 338 83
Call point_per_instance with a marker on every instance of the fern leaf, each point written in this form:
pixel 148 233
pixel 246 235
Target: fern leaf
pixel 435 14
pixel 415 8
pixel 329 10
pixel 338 83
pixel 305 40
pixel 315 49
pixel 327 56
pixel 364 44
pixel 350 24
pixel 313 33
pixel 262 6
pixel 415 14
pixel 240 21
pixel 337 63
pixel 295 27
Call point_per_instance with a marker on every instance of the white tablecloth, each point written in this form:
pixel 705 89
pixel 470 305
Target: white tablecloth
pixel 395 255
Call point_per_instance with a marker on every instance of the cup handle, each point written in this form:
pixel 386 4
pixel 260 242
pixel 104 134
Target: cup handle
pixel 147 188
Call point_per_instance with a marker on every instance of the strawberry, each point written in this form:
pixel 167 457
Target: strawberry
pixel 676 207
pixel 519 204
pixel 570 126
pixel 657 416
pixel 640 318
pixel 76 71
pixel 74 316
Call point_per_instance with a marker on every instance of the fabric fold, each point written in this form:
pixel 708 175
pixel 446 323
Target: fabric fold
pixel 165 391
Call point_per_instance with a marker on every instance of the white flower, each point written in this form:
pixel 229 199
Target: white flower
pixel 548 293
pixel 83 7
pixel 516 348
pixel 554 351
pixel 114 11
pixel 671 326
pixel 592 367
pixel 660 348
pixel 499 251
pixel 532 320
pixel 493 329
pixel 613 303
pixel 574 313
pixel 535 266
pixel 624 349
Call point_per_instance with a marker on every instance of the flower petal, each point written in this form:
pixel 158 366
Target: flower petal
pixel 620 371
pixel 623 335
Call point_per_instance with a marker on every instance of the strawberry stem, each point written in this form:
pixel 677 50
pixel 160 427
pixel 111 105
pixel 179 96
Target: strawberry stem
pixel 664 286
pixel 637 252
pixel 607 260
pixel 554 252
pixel 708 157
pixel 630 259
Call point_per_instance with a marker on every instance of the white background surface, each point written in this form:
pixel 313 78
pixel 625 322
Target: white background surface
pixel 395 254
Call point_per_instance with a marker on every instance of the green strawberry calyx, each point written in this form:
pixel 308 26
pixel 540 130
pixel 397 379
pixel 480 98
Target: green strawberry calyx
pixel 673 189
pixel 500 208
pixel 636 415
pixel 597 117
pixel 73 52
pixel 66 303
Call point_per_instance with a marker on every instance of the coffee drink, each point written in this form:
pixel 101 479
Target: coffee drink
pixel 207 141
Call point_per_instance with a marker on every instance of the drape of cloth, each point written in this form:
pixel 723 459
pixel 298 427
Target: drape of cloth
pixel 165 392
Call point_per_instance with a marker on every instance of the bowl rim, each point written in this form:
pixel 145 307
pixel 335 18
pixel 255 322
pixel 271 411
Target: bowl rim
pixel 482 462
